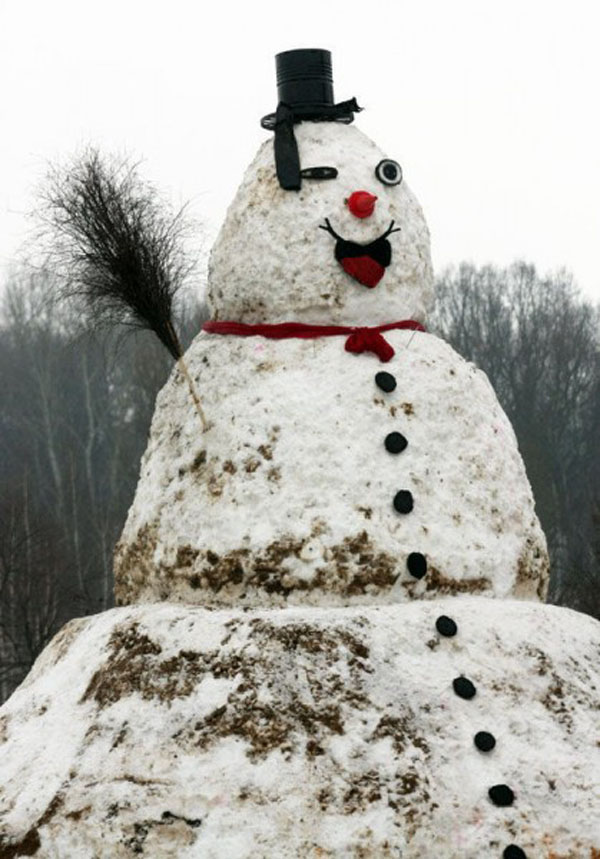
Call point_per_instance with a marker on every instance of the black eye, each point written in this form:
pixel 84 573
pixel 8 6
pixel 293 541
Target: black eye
pixel 319 173
pixel 389 172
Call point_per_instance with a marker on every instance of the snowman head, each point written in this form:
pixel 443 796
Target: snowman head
pixel 323 227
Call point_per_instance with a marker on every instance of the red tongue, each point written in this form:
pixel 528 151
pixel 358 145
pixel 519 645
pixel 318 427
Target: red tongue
pixel 363 269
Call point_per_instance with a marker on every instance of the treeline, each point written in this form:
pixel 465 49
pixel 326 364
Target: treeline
pixel 76 409
pixel 539 343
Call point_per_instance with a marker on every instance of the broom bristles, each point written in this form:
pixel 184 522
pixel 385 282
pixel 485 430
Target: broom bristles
pixel 123 255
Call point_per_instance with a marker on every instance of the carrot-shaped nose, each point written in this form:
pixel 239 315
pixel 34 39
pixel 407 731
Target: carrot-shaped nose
pixel 361 203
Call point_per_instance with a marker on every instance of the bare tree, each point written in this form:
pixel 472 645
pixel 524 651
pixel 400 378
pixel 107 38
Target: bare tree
pixel 538 341
pixel 30 588
pixel 76 411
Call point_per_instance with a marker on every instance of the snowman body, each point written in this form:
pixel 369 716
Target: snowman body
pixel 392 709
pixel 299 491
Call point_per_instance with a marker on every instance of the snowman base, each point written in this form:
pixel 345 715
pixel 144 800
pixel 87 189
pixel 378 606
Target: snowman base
pixel 176 731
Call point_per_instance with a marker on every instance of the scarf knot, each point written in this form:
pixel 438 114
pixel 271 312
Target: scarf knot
pixel 370 340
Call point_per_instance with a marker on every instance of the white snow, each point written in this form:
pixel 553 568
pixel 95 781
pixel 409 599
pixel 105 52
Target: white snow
pixel 178 731
pixel 288 498
pixel 272 263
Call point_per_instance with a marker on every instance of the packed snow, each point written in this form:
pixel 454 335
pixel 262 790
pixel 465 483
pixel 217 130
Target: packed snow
pixel 288 498
pixel 170 730
pixel 272 263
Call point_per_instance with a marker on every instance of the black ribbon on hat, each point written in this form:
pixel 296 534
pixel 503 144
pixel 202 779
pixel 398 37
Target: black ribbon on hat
pixel 287 159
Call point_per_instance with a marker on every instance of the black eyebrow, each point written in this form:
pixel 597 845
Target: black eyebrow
pixel 319 173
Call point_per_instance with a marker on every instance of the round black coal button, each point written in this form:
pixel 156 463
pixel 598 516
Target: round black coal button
pixel 513 852
pixel 395 442
pixel 403 501
pixel 385 381
pixel 464 688
pixel 501 794
pixel 484 741
pixel 416 564
pixel 446 626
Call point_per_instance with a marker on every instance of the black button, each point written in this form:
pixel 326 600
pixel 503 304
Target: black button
pixel 395 442
pixel 416 564
pixel 464 688
pixel 385 381
pixel 513 852
pixel 484 741
pixel 403 501
pixel 446 626
pixel 501 794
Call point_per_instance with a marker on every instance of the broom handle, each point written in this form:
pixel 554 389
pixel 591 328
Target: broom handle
pixel 186 373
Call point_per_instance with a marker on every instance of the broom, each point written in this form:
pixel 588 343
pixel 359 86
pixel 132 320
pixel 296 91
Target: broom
pixel 123 254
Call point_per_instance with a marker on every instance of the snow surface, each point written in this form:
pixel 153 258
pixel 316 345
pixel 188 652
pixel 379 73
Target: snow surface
pixel 272 263
pixel 168 730
pixel 288 498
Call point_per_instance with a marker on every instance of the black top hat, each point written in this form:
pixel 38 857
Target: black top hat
pixel 305 92
pixel 304 78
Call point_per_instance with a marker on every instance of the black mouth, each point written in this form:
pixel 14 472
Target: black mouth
pixel 379 250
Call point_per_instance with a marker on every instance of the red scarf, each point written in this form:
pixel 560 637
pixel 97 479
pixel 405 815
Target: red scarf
pixel 361 339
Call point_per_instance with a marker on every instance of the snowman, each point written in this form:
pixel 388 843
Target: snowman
pixel 351 457
pixel 330 642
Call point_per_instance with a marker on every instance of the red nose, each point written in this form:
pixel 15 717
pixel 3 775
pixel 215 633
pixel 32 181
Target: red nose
pixel 361 203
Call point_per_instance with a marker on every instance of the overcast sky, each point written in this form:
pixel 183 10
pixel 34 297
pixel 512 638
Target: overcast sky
pixel 490 107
